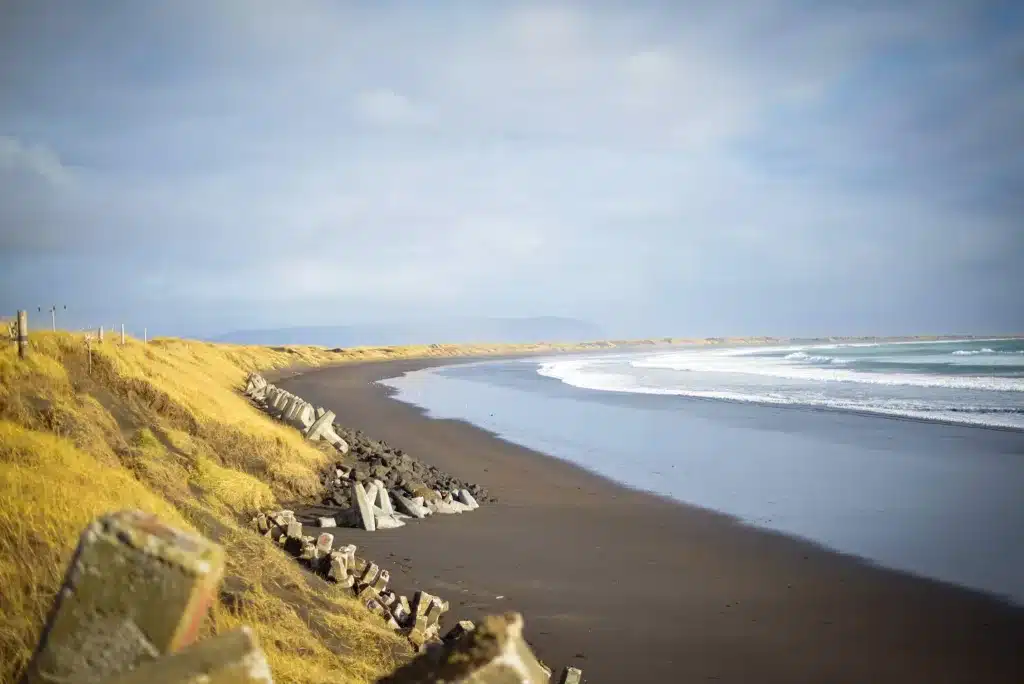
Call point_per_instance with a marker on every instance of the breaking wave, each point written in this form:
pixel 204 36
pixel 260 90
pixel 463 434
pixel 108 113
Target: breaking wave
pixel 873 379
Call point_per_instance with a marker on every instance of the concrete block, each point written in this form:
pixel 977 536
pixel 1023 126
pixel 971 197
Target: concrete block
pixel 383 498
pixel 374 583
pixel 443 507
pixel 337 571
pixel 292 410
pixel 371 492
pixel 309 552
pixel 327 522
pixel 283 518
pixel 388 522
pixel 459 630
pixel 494 651
pixel 365 507
pixel 466 498
pixel 322 424
pixel 348 554
pixel 233 657
pixel 369 574
pixel 571 675
pixel 303 417
pixel 320 411
pixel 135 589
pixel 324 543
pixel 294 530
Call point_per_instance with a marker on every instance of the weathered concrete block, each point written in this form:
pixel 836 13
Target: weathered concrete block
pixel 467 499
pixel 324 543
pixel 303 417
pixel 409 506
pixel 294 530
pixel 309 552
pixel 365 507
pixel 233 657
pixel 327 522
pixel 321 425
pixel 292 410
pixel 459 630
pixel 375 585
pixel 283 518
pixel 371 492
pixel 493 652
pixel 370 573
pixel 262 524
pixel 320 411
pixel 443 507
pixel 383 499
pixel 134 590
pixel 571 675
pixel 348 553
pixel 337 571
pixel 387 522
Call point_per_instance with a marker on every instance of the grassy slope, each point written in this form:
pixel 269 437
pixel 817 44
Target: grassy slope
pixel 161 427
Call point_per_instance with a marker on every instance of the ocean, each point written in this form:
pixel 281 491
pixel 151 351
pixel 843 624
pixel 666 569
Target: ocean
pixel 907 455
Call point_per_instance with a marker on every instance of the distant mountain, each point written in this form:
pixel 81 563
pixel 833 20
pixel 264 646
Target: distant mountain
pixel 444 330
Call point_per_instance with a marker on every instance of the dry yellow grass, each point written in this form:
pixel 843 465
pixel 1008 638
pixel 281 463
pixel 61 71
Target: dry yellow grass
pixel 162 427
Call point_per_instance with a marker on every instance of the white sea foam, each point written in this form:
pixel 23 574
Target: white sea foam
pixel 986 351
pixel 802 376
pixel 575 373
pixel 769 367
pixel 813 358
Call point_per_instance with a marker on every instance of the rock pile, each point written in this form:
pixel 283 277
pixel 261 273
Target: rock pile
pixel 370 459
pixel 373 486
pixel 418 619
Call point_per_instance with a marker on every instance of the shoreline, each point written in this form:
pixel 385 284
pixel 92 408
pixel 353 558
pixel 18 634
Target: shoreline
pixel 600 569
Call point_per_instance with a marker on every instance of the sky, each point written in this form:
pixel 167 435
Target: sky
pixel 776 167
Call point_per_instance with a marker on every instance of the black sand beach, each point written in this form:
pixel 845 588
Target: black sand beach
pixel 632 587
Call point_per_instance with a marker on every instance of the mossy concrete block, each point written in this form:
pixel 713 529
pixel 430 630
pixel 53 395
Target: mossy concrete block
pixel 134 590
pixel 234 657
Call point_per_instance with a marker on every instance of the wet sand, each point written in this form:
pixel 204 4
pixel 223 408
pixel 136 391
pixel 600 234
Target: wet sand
pixel 633 587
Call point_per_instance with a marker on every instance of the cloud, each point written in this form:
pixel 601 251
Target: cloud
pixel 643 166
pixel 385 107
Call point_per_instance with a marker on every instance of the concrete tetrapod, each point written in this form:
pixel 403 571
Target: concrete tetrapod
pixel 319 426
pixel 365 507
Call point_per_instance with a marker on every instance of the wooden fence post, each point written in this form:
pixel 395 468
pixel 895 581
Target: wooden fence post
pixel 122 334
pixel 22 333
